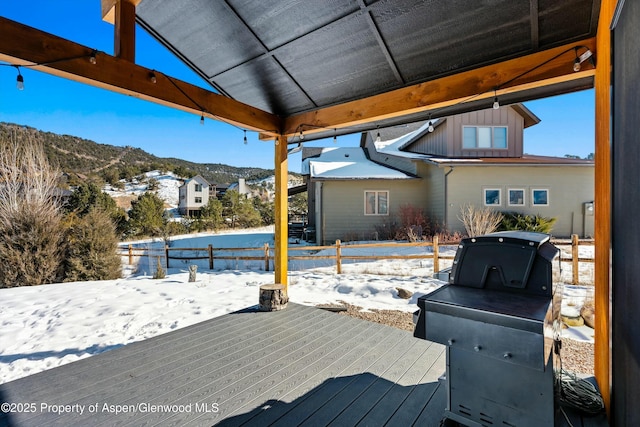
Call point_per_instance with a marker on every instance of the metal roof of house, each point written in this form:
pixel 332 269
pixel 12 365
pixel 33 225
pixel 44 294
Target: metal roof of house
pixel 293 56
pixel 525 160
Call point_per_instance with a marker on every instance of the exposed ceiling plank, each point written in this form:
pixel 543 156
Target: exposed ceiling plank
pixel 524 73
pixel 27 46
pixel 383 46
pixel 535 32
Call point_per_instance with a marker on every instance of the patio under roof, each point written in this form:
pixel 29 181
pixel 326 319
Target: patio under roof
pixel 331 67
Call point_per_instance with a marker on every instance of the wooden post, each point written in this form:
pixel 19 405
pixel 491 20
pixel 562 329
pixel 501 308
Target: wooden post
pixel 436 255
pixel 130 254
pixel 125 30
pixel 338 260
pixel 575 265
pixel 281 213
pixel 602 356
pixel 266 257
pixel 210 248
pixel 166 254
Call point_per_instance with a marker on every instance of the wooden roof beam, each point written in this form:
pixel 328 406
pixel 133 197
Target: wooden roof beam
pixel 125 30
pixel 27 46
pixel 515 75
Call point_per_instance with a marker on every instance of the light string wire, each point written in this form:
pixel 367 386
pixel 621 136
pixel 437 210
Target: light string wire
pixel 302 126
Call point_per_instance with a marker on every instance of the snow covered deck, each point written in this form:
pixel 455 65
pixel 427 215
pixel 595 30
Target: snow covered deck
pixel 301 365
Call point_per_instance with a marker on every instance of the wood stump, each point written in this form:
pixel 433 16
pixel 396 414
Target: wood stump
pixel 192 272
pixel 272 298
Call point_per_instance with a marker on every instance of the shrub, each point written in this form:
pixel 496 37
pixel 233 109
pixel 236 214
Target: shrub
pixel 92 248
pixel 414 222
pixel 159 274
pixel 524 222
pixel 478 222
pixel 30 216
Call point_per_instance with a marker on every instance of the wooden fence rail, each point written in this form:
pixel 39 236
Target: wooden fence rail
pixel 211 254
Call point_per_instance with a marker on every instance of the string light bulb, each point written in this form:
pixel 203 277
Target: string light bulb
pixel 245 137
pixel 152 77
pixel 430 126
pixel 92 57
pixel 19 80
pixel 301 136
pixel 496 104
pixel 202 118
pixel 378 134
pixel 576 65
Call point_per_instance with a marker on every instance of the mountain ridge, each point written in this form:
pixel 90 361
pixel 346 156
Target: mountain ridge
pixel 84 157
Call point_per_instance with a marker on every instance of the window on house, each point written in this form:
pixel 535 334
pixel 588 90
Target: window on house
pixel 540 197
pixel 516 197
pixel 474 137
pixel 492 197
pixel 198 199
pixel 198 188
pixel 376 202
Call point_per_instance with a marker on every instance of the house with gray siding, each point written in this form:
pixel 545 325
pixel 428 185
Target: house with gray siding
pixel 193 195
pixel 473 158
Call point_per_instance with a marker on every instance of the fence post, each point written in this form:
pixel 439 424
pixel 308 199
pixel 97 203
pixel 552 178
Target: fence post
pixel 210 249
pixel 575 267
pixel 266 257
pixel 166 254
pixel 338 260
pixel 130 254
pixel 436 255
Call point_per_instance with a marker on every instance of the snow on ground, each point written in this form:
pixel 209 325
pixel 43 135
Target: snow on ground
pixel 47 326
pixel 168 185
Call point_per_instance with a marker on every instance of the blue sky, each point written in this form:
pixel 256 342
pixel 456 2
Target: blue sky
pixel 58 105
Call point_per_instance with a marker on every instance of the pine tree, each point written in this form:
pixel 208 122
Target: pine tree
pixel 146 217
pixel 92 247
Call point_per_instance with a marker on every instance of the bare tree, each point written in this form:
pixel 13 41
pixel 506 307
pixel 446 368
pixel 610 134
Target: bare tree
pixel 479 221
pixel 30 215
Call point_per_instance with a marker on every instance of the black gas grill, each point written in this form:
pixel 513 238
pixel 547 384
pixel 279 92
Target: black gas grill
pixel 498 317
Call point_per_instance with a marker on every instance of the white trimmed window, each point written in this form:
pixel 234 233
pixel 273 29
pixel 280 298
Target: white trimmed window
pixel 516 197
pixel 475 137
pixel 376 203
pixel 198 188
pixel 198 199
pixel 492 196
pixel 540 197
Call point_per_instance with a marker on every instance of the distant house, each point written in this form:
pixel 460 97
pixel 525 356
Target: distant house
pixel 474 158
pixel 193 195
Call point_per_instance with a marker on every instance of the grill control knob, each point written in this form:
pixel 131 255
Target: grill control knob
pixel 477 348
pixel 507 355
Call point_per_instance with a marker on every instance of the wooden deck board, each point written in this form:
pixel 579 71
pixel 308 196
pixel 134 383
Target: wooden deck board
pixel 299 366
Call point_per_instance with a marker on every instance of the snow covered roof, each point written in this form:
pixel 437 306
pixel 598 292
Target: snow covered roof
pixel 347 163
pixel 394 146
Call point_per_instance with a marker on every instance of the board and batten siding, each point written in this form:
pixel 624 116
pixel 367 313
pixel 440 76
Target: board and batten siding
pixel 504 116
pixel 570 187
pixel 434 143
pixel 342 211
